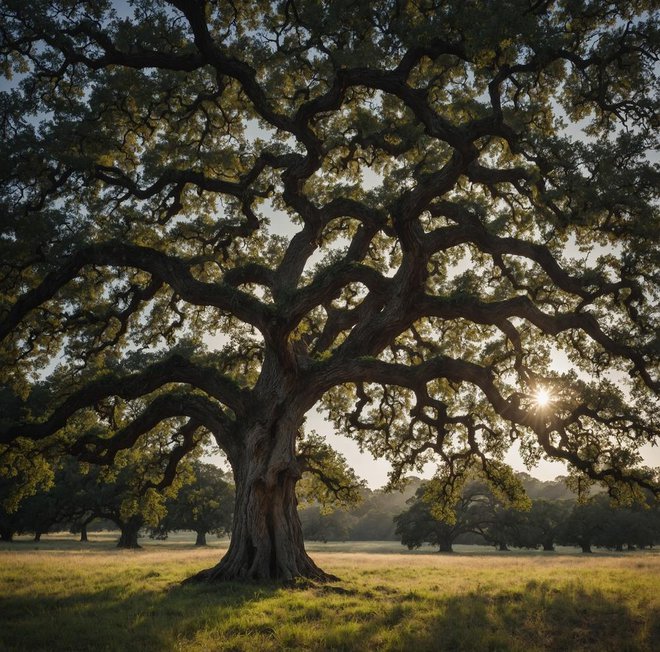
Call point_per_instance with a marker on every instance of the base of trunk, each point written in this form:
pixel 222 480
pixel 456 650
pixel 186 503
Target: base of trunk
pixel 226 571
pixel 220 574
pixel 201 539
pixel 128 540
pixel 242 563
pixel 267 541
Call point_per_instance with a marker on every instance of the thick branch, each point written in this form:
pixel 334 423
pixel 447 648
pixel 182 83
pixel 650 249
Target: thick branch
pixel 174 369
pixel 169 269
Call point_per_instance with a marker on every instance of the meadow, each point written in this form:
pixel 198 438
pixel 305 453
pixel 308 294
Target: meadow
pixel 63 595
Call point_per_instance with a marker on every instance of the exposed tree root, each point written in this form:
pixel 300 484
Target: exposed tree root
pixel 220 573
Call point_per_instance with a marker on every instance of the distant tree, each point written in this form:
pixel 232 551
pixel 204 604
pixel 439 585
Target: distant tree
pixel 81 525
pixel 629 526
pixel 586 523
pixel 64 503
pixel 499 524
pixel 318 525
pixel 9 524
pixel 204 504
pixel 40 514
pixel 377 205
pixel 541 525
pixel 23 473
pixel 645 526
pixel 419 524
pixel 375 516
pixel 132 491
pixel 617 529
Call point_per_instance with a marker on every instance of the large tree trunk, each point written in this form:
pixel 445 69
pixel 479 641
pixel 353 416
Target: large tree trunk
pixel 83 533
pixel 6 534
pixel 129 534
pixel 267 540
pixel 446 546
pixel 586 547
pixel 201 538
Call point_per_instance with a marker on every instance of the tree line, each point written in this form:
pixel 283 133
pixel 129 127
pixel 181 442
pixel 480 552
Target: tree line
pixel 200 500
pixel 553 516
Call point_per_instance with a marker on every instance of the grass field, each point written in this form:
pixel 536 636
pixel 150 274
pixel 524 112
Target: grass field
pixel 62 595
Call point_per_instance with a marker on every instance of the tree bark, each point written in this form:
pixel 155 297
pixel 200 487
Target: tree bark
pixel 267 539
pixel 586 547
pixel 446 546
pixel 83 533
pixel 549 546
pixel 6 534
pixel 37 537
pixel 201 538
pixel 129 534
pixel 503 547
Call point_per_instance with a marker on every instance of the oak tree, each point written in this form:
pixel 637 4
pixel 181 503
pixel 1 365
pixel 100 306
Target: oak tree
pixel 541 525
pixel 217 215
pixel 203 504
pixel 419 525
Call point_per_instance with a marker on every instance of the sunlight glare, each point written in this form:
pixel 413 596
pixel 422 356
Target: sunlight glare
pixel 542 397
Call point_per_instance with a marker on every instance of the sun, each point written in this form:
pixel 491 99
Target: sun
pixel 542 397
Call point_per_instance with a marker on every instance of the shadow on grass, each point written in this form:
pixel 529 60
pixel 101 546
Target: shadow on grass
pixel 111 618
pixel 539 617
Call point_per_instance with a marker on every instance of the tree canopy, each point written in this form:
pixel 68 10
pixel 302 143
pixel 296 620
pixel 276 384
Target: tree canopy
pixel 217 215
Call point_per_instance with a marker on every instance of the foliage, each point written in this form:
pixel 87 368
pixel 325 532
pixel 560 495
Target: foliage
pixel 327 479
pixel 422 524
pixel 203 504
pixel 543 524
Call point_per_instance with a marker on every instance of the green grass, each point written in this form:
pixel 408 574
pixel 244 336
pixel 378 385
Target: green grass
pixel 62 595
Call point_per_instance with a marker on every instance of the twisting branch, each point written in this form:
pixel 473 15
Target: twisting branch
pixel 174 369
